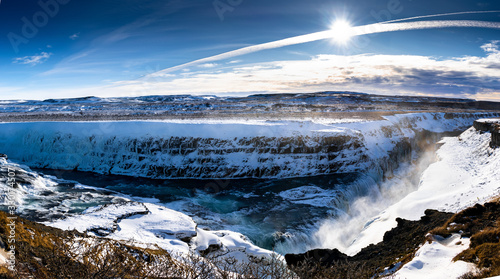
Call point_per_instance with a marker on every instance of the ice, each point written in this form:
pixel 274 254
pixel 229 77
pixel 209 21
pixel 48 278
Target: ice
pixel 120 218
pixel 311 195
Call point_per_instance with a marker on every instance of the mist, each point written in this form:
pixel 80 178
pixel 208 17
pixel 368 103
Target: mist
pixel 345 226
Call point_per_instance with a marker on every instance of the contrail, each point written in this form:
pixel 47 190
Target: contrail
pixel 328 34
pixel 438 15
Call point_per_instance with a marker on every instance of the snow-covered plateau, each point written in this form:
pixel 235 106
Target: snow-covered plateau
pixel 226 149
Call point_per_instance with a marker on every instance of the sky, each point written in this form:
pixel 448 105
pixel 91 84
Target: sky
pixel 76 48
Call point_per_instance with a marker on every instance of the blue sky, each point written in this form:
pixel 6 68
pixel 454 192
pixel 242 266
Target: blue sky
pixel 71 48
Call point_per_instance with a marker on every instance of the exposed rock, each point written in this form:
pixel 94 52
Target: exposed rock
pixel 398 243
pixel 495 135
pixel 211 248
pixel 325 257
pixel 486 124
pixel 490 125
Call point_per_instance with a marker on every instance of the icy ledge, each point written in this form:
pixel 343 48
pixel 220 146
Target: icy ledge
pixel 153 225
pixel 146 224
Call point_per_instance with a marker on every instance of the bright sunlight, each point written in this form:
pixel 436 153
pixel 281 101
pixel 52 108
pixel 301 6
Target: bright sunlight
pixel 341 31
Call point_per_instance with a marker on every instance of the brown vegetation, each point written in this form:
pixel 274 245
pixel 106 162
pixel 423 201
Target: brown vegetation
pixel 45 252
pixel 482 225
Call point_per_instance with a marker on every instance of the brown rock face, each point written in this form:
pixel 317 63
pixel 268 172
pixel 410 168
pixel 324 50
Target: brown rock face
pixel 485 125
pixel 495 136
pixel 492 126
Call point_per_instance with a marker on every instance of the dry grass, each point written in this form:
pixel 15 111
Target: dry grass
pixel 484 251
pixel 482 225
pixel 44 252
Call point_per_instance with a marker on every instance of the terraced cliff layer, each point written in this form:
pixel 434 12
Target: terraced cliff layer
pixel 235 149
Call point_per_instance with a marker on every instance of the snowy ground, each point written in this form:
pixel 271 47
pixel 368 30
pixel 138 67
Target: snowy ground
pixel 465 174
pixel 433 260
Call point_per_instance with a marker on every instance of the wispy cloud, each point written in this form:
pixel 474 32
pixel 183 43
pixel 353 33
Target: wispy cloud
pixel 492 47
pixel 208 65
pixel 33 60
pixel 468 76
pixel 329 34
pixel 75 36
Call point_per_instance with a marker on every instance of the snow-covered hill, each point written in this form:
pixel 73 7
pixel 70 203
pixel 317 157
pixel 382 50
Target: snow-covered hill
pixel 268 106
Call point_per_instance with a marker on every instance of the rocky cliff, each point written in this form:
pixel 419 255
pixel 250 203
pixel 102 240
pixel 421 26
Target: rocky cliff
pixel 490 125
pixel 262 149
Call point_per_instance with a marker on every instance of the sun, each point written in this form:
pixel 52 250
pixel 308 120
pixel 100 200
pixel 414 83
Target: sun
pixel 341 31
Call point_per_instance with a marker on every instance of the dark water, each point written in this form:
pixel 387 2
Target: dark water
pixel 249 206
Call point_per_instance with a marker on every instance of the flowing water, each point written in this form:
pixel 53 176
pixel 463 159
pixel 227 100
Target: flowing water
pixel 268 211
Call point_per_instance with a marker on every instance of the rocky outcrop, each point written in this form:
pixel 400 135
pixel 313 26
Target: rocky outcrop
pixel 486 124
pixel 495 135
pixel 398 245
pixel 490 125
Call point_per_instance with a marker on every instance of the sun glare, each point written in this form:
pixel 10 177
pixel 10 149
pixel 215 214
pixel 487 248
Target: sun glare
pixel 341 31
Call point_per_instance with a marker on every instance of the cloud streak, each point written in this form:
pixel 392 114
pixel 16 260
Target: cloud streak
pixel 328 34
pixel 33 60
pixel 476 77
pixel 468 76
pixel 439 15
